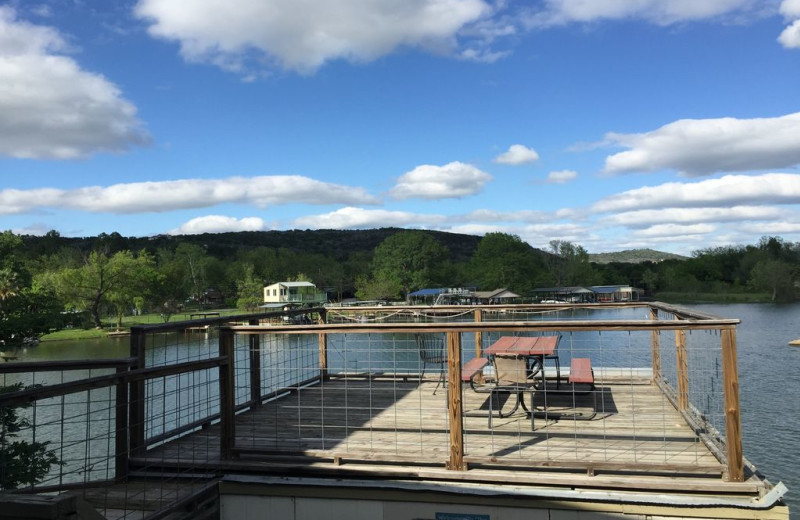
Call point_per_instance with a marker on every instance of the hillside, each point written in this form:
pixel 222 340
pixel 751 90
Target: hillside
pixel 633 256
pixel 335 243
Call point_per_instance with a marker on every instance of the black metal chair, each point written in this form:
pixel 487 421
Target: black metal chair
pixel 432 352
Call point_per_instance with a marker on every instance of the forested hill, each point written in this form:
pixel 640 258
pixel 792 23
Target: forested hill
pixel 337 244
pixel 633 256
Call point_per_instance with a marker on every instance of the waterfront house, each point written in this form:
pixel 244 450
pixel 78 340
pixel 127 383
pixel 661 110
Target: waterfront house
pixel 302 293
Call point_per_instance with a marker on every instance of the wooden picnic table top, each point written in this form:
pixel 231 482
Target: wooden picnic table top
pixel 524 346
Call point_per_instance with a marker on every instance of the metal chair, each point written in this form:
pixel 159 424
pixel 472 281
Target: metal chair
pixel 513 375
pixel 432 352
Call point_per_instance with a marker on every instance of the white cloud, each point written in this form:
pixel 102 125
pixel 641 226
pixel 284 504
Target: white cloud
pixel 736 214
pixel 304 34
pixel 142 197
pixel 772 228
pixel 452 180
pixel 660 12
pixel 219 224
pixel 517 154
pixel 488 215
pixel 358 218
pixel 672 230
pixel 697 147
pixel 562 176
pixel 790 37
pixel 730 190
pixel 790 9
pixel 50 108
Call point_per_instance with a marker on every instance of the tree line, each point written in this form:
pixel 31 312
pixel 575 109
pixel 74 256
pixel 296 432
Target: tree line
pixel 46 279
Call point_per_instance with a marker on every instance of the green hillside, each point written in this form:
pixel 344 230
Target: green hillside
pixel 633 256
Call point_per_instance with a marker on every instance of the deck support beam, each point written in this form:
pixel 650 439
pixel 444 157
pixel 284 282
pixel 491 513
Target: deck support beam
pixel 227 403
pixel 454 402
pixel 733 419
pixel 682 363
pixel 323 348
pixel 655 347
pixel 478 334
pixel 254 343
pixel 136 410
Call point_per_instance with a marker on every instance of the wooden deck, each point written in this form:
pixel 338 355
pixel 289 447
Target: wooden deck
pixel 393 427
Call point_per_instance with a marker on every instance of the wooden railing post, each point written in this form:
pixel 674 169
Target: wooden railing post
pixel 136 410
pixel 655 347
pixel 479 334
pixel 226 394
pixel 733 419
pixel 323 348
pixel 454 403
pixel 121 433
pixel 682 362
pixel 254 344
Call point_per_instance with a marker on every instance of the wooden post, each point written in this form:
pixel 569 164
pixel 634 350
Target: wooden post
pixel 136 410
pixel 226 394
pixel 479 334
pixel 655 347
pixel 121 429
pixel 323 349
pixel 682 362
pixel 254 343
pixel 454 405
pixel 733 419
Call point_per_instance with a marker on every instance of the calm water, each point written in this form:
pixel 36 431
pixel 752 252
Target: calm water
pixel 769 381
pixel 769 377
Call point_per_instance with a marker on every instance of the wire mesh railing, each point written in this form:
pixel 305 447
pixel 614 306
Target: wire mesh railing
pixel 355 387
pixel 370 403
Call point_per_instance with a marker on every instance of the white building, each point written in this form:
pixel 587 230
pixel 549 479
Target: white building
pixel 294 292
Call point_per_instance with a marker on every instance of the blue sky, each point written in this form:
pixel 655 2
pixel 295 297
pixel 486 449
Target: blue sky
pixel 614 124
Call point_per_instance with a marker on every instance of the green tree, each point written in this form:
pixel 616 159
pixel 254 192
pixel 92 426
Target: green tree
pixel 502 260
pixel 26 312
pixel 105 280
pixel 21 462
pixel 776 277
pixel 406 261
pixel 136 277
pixel 570 264
pixel 249 290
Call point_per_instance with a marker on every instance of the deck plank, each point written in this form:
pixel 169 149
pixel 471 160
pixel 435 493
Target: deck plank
pixel 367 418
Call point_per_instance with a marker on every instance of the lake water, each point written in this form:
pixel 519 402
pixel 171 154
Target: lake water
pixel 769 377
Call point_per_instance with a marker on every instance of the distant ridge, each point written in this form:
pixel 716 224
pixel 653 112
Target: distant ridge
pixel 633 256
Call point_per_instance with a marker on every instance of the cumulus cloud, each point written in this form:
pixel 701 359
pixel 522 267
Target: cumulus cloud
pixel 142 197
pixel 50 108
pixel 790 9
pixel 562 176
pixel 730 190
pixel 736 214
pixel 358 218
pixel 452 180
pixel 304 34
pixel 219 224
pixel 488 215
pixel 517 154
pixel 661 12
pixel 790 37
pixel 697 147
pixel 673 230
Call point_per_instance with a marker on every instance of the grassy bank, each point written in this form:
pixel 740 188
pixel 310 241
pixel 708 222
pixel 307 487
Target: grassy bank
pixel 110 325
